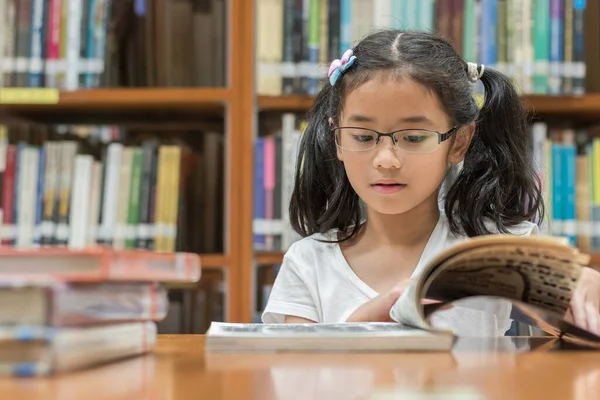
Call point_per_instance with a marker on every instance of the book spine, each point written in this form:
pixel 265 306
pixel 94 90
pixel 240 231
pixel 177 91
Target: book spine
pixel 150 242
pixel 134 199
pixel 68 152
pixel 36 54
pixel 259 194
pixel 39 202
pixel 579 64
pixel 48 227
pixel 123 199
pixel 94 217
pixel 313 46
pixel 8 196
pixel 88 39
pixel 80 201
pixel 541 27
pixel 287 66
pixel 73 39
pixel 3 162
pixel 144 208
pixel 27 189
pixel 556 46
pixel 53 42
pixel 8 58
pixel 175 177
pixel 110 194
pixel 567 75
pixel 345 26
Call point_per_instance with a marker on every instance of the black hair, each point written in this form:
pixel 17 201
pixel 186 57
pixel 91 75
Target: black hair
pixel 498 180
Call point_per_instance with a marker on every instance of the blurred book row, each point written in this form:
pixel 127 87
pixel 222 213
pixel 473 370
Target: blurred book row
pixel 79 186
pixel 71 44
pixel 569 163
pixel 539 44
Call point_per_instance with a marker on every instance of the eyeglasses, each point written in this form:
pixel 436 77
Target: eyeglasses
pixel 409 140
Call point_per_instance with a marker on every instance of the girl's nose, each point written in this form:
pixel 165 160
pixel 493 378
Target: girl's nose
pixel 386 155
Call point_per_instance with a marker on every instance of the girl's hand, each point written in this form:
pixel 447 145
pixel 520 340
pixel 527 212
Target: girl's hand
pixel 378 309
pixel 584 308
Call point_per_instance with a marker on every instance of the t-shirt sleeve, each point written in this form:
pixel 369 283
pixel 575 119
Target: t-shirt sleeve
pixel 290 295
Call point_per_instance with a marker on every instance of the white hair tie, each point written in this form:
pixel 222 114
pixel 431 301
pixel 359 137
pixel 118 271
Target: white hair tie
pixel 474 72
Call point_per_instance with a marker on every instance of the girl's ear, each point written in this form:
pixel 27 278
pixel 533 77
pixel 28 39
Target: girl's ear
pixel 462 140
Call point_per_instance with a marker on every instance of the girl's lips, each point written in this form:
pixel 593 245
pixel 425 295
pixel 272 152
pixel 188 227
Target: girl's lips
pixel 388 188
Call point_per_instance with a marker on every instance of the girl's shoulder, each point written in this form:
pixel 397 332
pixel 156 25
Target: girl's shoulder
pixel 312 248
pixel 524 228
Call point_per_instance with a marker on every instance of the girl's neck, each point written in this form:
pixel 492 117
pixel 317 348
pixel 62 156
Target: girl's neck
pixel 400 230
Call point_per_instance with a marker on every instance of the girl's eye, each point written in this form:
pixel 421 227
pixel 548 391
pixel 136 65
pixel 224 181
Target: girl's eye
pixel 414 138
pixel 362 138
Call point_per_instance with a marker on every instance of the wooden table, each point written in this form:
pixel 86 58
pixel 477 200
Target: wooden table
pixel 506 368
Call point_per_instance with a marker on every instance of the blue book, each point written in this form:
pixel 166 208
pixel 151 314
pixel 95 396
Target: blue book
pixel 259 189
pixel 345 26
pixel 39 201
pixel 36 44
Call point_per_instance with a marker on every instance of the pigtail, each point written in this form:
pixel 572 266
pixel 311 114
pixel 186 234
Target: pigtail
pixel 323 198
pixel 498 180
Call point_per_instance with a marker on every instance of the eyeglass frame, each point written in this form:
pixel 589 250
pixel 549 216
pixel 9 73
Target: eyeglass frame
pixel 442 137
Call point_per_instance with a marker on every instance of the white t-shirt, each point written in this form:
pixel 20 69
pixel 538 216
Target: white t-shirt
pixel 316 282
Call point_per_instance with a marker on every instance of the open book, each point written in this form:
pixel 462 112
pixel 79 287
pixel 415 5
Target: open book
pixel 537 274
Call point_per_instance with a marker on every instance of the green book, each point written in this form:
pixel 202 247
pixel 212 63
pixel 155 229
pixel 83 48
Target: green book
pixel 134 200
pixel 541 45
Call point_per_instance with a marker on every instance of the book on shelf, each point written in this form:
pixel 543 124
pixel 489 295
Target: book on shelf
pixel 544 46
pixel 275 157
pixel 536 274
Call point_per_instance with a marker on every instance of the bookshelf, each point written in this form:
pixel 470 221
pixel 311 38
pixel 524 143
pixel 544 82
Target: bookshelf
pixel 157 108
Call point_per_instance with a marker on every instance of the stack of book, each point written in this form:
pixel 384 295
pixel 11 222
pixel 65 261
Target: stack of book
pixel 63 310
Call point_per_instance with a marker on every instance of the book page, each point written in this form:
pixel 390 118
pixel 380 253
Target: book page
pixel 537 271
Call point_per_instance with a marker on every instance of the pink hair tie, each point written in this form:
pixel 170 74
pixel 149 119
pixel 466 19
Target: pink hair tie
pixel 338 67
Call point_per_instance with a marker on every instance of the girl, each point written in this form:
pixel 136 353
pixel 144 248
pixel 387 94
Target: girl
pixel 379 191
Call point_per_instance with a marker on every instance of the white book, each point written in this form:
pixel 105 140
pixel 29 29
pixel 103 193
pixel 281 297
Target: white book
pixel 80 201
pixel 346 337
pixel 74 19
pixel 110 193
pixel 27 195
pixel 94 211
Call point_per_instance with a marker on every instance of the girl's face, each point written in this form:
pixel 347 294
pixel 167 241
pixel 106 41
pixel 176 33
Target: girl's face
pixel 394 180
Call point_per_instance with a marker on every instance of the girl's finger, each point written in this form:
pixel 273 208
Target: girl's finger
pixel 592 318
pixel 578 311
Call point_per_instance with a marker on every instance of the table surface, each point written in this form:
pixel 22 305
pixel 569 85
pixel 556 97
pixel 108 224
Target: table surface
pixel 476 369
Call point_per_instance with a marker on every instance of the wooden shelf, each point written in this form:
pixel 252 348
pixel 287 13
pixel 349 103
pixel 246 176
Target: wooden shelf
pixel 292 103
pixel 214 260
pixel 267 258
pixel 581 108
pixel 123 105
